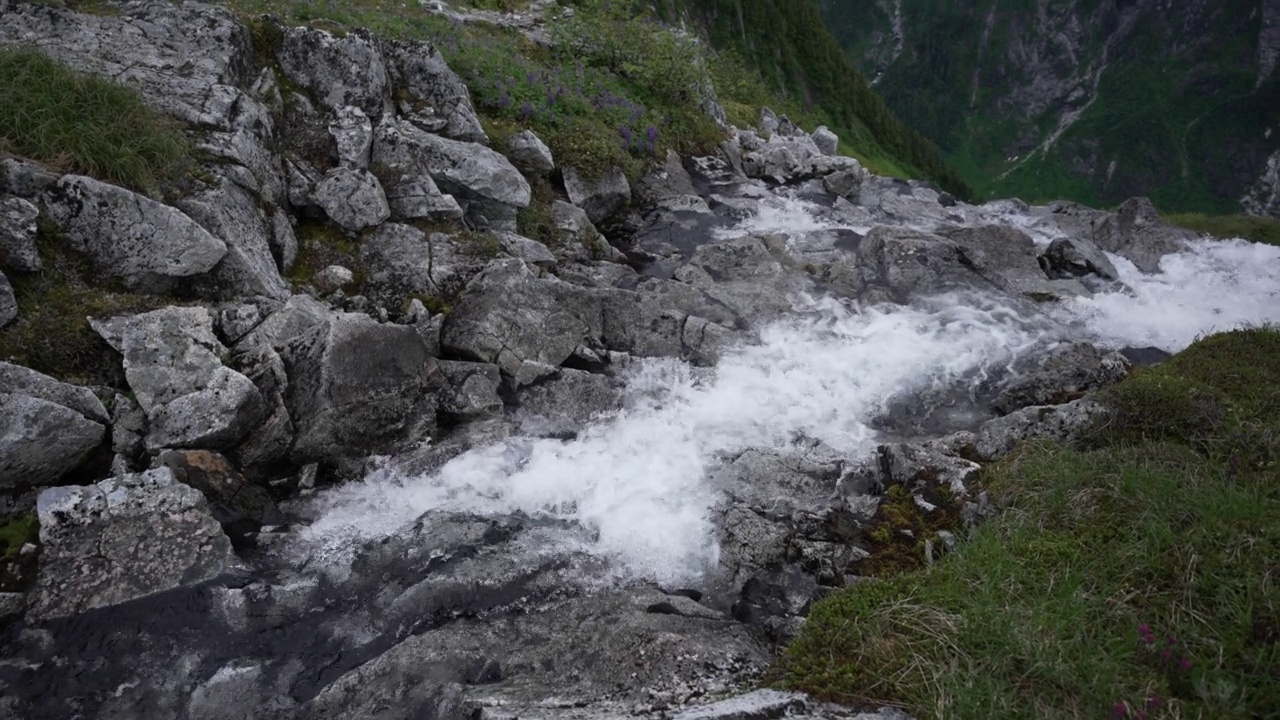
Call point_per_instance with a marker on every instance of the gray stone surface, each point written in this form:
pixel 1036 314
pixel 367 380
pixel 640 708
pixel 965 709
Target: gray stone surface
pixel 352 199
pixel 41 441
pixel 1063 423
pixel 352 133
pixel 234 216
pixel 146 245
pixel 598 197
pixel 8 302
pixel 1136 232
pixel 18 235
pixel 25 381
pixel 1063 373
pixel 828 142
pixel 337 71
pixel 526 249
pixel 429 93
pixel 471 389
pixel 469 171
pixel 357 387
pixel 173 363
pixel 121 539
pixel 403 261
pixel 1076 257
pixel 565 401
pixel 530 155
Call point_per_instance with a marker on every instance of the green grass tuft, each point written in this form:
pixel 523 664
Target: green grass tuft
pixel 1134 579
pixel 1245 227
pixel 87 125
pixel 15 534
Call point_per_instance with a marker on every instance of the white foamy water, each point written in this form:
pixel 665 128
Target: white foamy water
pixel 637 480
pixel 1216 286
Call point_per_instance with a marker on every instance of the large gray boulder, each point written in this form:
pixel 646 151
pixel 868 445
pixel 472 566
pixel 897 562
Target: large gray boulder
pixel 235 216
pixel 828 142
pixel 1062 423
pixel 599 197
pixel 337 71
pixel 48 428
pixel 8 302
pixel 566 401
pixel 1136 232
pixel 1064 373
pixel 471 389
pixel 429 93
pixel 481 179
pixel 1006 257
pixel 357 387
pixel 352 133
pixel 18 235
pixel 122 539
pixel 1076 257
pixel 404 261
pixel 173 364
pixel 148 246
pixel 352 199
pixel 509 315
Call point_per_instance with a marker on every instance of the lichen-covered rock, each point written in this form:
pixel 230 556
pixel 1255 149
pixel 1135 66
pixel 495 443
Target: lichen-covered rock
pixel 471 389
pixel 352 133
pixel 173 364
pixel 148 246
pixel 25 381
pixel 352 199
pixel 509 315
pixel 429 93
pixel 1063 423
pixel 526 249
pixel 403 261
pixel 41 441
pixel 357 387
pixel 479 178
pixel 337 71
pixel 530 155
pixel 249 268
pixel 18 235
pixel 233 502
pixel 598 197
pixel 828 142
pixel 334 277
pixel 121 539
pixel 8 302
pixel 844 183
pixel 1061 374
pixel 1136 232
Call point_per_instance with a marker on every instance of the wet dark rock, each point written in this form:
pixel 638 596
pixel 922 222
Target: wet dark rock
pixel 565 401
pixel 471 389
pixel 236 504
pixel 1062 374
pixel 1076 257
pixel 599 197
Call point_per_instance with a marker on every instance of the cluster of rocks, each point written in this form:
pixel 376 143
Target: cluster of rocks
pixel 169 491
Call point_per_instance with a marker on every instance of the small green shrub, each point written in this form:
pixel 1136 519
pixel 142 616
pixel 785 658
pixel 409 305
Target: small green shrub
pixel 87 124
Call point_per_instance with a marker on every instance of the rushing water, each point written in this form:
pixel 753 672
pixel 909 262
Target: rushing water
pixel 637 479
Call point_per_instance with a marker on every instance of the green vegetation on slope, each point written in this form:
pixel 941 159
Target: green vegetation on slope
pixel 1179 114
pixel 86 124
pixel 1134 579
pixel 786 42
pixel 1247 227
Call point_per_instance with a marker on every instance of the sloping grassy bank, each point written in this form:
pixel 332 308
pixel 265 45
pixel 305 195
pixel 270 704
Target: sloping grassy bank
pixel 1137 578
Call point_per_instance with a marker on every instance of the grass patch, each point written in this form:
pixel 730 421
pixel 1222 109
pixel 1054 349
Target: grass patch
pixel 1245 227
pixel 15 534
pixel 321 245
pixel 1136 579
pixel 85 124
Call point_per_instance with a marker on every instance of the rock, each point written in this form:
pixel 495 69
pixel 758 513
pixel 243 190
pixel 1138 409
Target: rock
pixel 121 539
pixel 249 269
pixel 352 199
pixel 353 135
pixel 1076 257
pixel 1006 256
pixel 403 261
pixel 237 320
pixel 828 142
pixel 667 185
pixel 24 178
pixel 299 314
pixel 284 241
pixel 19 380
pixel 471 389
pixel 148 246
pixel 1063 423
pixel 530 155
pixel 417 197
pixel 337 71
pixel 755 705
pixel 233 502
pixel 768 121
pixel 523 248
pixel 1136 232
pixel 509 315
pixel 844 183
pixel 573 227
pixel 599 197
pixel 564 401
pixel 429 93
pixel 332 278
pixel 128 428
pixel 41 441
pixel 173 363
pixel 1062 374
pixel 18 235
pixel 480 178
pixel 8 302
pixel 357 387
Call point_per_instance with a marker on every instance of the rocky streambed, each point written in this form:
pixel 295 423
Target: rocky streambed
pixel 609 481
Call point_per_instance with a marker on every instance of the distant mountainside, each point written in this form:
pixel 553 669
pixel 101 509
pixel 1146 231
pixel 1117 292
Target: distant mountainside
pixel 1094 100
pixel 788 44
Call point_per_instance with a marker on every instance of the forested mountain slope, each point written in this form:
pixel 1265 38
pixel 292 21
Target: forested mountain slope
pixel 1096 100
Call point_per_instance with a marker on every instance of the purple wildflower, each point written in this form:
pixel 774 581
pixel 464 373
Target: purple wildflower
pixel 504 101
pixel 652 134
pixel 526 111
pixel 625 132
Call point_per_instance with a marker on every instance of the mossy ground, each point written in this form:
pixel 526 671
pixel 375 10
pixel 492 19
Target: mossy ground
pixel 1136 578
pixel 88 125
pixel 1245 227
